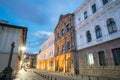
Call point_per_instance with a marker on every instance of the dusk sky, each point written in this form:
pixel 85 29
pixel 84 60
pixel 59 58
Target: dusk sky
pixel 39 16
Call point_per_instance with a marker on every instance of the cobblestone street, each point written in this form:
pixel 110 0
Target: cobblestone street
pixel 23 75
pixel 60 40
pixel 33 75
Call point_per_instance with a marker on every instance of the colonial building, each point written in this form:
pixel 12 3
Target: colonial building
pixel 65 44
pixel 9 34
pixel 45 59
pixel 97 24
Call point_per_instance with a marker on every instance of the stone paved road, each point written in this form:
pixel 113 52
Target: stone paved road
pixel 23 75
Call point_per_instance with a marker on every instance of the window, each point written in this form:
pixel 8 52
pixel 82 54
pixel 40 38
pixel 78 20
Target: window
pixel 111 25
pixel 68 27
pixel 90 59
pixel 72 41
pixel 116 56
pixel 78 19
pixel 57 35
pixel 63 48
pixel 101 58
pixel 62 31
pixel 2 27
pixel 88 35
pixel 104 1
pixel 57 49
pixel 51 63
pixel 68 45
pixel 85 15
pixel 94 8
pixel 98 32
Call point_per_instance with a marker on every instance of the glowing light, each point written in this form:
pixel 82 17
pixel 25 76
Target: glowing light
pixel 90 59
pixel 23 48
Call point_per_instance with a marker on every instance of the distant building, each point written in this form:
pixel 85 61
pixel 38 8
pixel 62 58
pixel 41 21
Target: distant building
pixel 65 61
pixel 30 61
pixel 9 34
pixel 97 24
pixel 45 59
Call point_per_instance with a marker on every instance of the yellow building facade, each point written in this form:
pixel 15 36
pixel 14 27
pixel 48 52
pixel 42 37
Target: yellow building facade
pixel 65 45
pixel 62 48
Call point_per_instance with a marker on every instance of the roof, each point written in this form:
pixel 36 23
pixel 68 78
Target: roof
pixel 62 17
pixel 13 26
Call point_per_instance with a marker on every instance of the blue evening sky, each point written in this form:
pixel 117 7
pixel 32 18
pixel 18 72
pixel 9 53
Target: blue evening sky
pixel 40 16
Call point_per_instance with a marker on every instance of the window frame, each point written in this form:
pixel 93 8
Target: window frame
pixel 88 36
pixel 101 56
pixel 98 32
pixel 62 31
pixel 104 2
pixel 90 59
pixel 94 9
pixel 68 27
pixel 85 15
pixel 63 48
pixel 116 56
pixel 68 45
pixel 111 26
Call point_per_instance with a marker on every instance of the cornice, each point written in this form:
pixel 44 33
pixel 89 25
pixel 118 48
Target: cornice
pixel 82 5
pixel 100 12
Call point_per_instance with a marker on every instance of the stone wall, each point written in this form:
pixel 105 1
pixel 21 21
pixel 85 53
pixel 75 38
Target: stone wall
pixel 109 70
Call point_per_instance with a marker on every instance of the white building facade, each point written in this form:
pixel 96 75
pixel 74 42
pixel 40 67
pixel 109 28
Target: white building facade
pixel 45 60
pixel 97 24
pixel 8 35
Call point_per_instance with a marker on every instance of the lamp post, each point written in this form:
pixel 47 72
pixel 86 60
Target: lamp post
pixel 7 72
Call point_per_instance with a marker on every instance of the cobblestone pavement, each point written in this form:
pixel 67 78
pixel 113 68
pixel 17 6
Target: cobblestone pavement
pixel 33 74
pixel 25 75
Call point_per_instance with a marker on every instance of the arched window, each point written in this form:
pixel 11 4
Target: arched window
pixel 105 1
pixel 88 35
pixel 111 25
pixel 98 32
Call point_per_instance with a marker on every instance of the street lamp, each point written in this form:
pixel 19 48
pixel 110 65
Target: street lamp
pixel 23 48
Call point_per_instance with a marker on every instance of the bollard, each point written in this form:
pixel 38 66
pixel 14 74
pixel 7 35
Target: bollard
pixel 82 76
pixel 97 78
pixel 48 77
pixel 89 77
pixel 51 77
pixel 55 78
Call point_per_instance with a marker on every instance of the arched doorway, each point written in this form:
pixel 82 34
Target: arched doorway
pixel 68 64
pixel 61 65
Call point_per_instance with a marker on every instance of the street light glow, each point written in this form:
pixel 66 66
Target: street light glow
pixel 23 48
